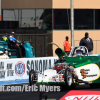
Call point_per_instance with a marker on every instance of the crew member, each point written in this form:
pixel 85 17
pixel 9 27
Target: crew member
pixel 87 42
pixel 67 46
pixel 14 45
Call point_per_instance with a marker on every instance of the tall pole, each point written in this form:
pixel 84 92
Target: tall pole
pixel 72 24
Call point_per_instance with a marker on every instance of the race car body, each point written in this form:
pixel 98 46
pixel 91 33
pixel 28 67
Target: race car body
pixel 76 69
pixel 50 76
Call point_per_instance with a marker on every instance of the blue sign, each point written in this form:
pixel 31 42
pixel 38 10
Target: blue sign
pixel 54 78
pixel 20 68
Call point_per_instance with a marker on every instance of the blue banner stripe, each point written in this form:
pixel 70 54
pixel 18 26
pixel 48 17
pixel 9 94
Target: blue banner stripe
pixel 14 82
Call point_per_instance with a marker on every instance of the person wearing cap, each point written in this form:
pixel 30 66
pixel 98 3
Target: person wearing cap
pixel 67 46
pixel 87 42
pixel 13 44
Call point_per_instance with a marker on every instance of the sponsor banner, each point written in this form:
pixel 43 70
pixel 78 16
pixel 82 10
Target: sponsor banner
pixel 19 68
pixel 88 72
pixel 81 95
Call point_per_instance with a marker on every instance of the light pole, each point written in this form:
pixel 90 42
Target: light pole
pixel 72 24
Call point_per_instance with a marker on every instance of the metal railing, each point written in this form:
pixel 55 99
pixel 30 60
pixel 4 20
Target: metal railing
pixel 96 45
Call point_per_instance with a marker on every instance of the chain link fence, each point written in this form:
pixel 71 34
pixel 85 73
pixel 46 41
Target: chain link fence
pixel 37 38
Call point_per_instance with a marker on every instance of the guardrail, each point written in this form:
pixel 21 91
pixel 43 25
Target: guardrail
pixel 96 44
pixel 18 69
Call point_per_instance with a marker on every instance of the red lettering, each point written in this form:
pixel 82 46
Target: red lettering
pixel 77 98
pixel 85 98
pixel 97 98
pixel 91 98
pixel 69 98
pixel 39 23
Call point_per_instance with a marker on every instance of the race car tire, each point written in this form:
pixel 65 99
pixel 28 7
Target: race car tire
pixel 32 77
pixel 68 78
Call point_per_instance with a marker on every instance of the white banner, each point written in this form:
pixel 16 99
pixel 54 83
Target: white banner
pixel 19 68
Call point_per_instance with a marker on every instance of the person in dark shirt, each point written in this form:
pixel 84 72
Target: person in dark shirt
pixel 14 45
pixel 87 42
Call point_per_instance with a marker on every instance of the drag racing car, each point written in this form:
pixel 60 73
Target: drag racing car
pixel 76 69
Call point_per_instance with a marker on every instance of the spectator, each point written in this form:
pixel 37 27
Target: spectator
pixel 67 46
pixel 87 42
pixel 14 45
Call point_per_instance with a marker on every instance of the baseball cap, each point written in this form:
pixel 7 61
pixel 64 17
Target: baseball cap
pixel 86 34
pixel 12 32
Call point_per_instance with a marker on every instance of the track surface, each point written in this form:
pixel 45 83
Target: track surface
pixel 35 96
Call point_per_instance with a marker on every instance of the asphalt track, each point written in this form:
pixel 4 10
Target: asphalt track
pixel 38 96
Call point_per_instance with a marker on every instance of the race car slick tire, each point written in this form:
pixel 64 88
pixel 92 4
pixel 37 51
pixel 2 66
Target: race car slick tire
pixel 32 77
pixel 68 78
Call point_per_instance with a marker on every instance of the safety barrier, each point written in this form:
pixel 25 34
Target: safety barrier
pixel 18 69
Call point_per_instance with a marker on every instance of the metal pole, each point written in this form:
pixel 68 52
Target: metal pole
pixel 72 24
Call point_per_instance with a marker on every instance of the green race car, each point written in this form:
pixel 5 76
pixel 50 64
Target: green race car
pixel 78 68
